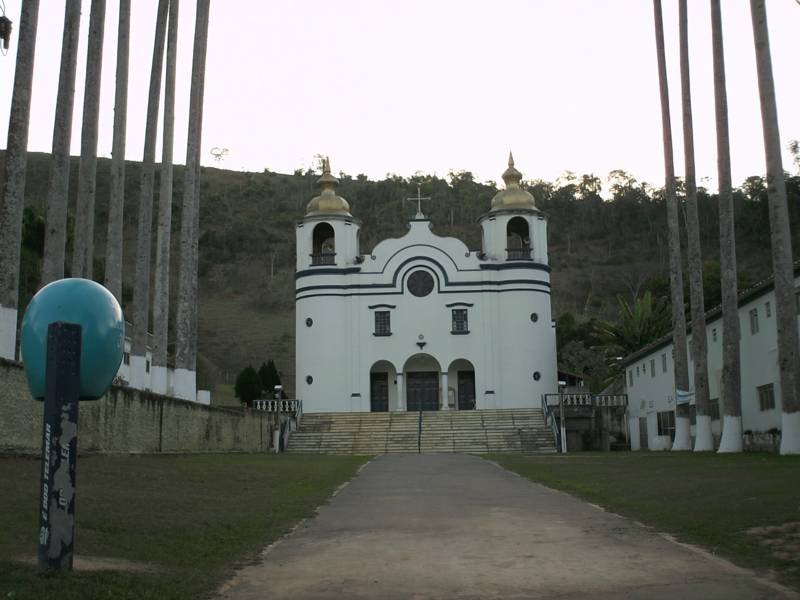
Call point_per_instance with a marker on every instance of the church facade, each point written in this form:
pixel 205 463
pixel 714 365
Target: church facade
pixel 422 321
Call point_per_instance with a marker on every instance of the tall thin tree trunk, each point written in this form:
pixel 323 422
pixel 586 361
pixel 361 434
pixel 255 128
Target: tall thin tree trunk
pixel 186 321
pixel 730 394
pixel 83 247
pixel 161 296
pixel 781 238
pixel 116 203
pixel 12 194
pixel 55 236
pixel 681 370
pixel 141 290
pixel 704 440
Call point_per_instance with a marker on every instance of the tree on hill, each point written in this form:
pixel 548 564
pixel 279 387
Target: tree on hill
pixel 248 386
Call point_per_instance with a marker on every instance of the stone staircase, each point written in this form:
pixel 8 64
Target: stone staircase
pixel 474 431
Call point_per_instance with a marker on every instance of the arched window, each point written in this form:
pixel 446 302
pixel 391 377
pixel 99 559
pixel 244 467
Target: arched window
pixel 324 252
pixel 518 244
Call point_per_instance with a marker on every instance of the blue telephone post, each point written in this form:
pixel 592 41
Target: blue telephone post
pixel 73 335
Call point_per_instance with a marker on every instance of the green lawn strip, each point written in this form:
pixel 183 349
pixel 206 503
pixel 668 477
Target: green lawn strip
pixel 194 518
pixel 706 499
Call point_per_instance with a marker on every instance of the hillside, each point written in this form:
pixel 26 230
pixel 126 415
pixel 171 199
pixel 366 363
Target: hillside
pixel 600 247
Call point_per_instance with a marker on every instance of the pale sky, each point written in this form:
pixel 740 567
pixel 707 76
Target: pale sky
pixel 435 85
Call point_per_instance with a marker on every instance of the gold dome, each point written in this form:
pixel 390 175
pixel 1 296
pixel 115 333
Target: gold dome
pixel 327 203
pixel 513 196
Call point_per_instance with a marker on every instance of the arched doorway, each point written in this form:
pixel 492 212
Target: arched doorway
pixel 461 375
pixel 518 239
pixel 382 377
pixel 324 251
pixel 422 375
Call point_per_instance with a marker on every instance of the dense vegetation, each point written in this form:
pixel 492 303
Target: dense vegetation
pixel 607 239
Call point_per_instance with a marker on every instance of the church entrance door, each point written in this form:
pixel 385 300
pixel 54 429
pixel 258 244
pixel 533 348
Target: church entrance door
pixel 422 391
pixel 466 390
pixel 379 392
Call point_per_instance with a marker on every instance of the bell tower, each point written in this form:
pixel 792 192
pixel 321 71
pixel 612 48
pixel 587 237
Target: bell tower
pixel 328 234
pixel 514 229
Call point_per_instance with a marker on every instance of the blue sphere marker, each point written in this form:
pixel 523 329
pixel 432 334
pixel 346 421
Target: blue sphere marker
pixel 83 303
pixel 72 343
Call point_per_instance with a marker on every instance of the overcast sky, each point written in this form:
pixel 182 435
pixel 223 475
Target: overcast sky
pixel 435 85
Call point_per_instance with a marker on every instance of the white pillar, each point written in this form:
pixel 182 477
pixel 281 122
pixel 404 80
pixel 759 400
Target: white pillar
pixel 138 376
pixel 445 395
pixel 185 384
pixel 401 393
pixel 8 332
pixel 158 376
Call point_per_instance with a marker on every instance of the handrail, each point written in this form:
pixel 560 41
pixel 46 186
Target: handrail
pixel 419 431
pixel 549 416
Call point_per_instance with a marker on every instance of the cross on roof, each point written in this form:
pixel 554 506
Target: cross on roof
pixel 418 200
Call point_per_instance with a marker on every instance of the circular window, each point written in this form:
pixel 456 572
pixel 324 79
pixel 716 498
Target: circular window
pixel 534 317
pixel 537 376
pixel 309 379
pixel 420 283
pixel 309 322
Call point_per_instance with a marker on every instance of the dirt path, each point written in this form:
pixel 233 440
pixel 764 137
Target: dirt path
pixel 456 526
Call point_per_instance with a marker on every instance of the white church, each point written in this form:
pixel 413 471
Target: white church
pixel 422 322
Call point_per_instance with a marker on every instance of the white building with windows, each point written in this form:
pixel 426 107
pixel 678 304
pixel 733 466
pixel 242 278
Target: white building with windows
pixel 422 321
pixel 650 382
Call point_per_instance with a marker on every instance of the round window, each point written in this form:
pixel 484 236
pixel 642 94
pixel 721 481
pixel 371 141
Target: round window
pixel 309 322
pixel 309 379
pixel 420 283
pixel 537 376
pixel 534 317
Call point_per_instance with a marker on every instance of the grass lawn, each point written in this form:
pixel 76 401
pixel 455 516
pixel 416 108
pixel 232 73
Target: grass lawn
pixel 193 518
pixel 745 507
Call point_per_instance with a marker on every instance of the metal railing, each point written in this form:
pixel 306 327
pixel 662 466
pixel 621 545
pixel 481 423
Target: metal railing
pixel 550 418
pixel 519 253
pixel 324 258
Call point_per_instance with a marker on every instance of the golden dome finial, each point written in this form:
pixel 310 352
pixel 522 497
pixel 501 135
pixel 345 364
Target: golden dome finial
pixel 513 196
pixel 327 202
pixel 511 176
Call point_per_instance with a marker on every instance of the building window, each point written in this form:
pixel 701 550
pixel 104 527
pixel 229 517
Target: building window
pixel 714 334
pixel 714 409
pixel 147 366
pixel 692 415
pixel 664 362
pixel 420 283
pixel 666 423
pixel 652 367
pixel 644 368
pixel 766 397
pixel 753 321
pixel 383 324
pixel 126 358
pixel 460 324
pixel 630 377
pixel 768 309
pixel 637 371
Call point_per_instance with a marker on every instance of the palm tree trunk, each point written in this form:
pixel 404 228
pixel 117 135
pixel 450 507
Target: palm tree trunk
pixel 83 247
pixel 12 194
pixel 186 320
pixel 55 236
pixel 116 203
pixel 682 434
pixel 141 291
pixel 161 296
pixel 704 440
pixel 730 394
pixel 780 237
